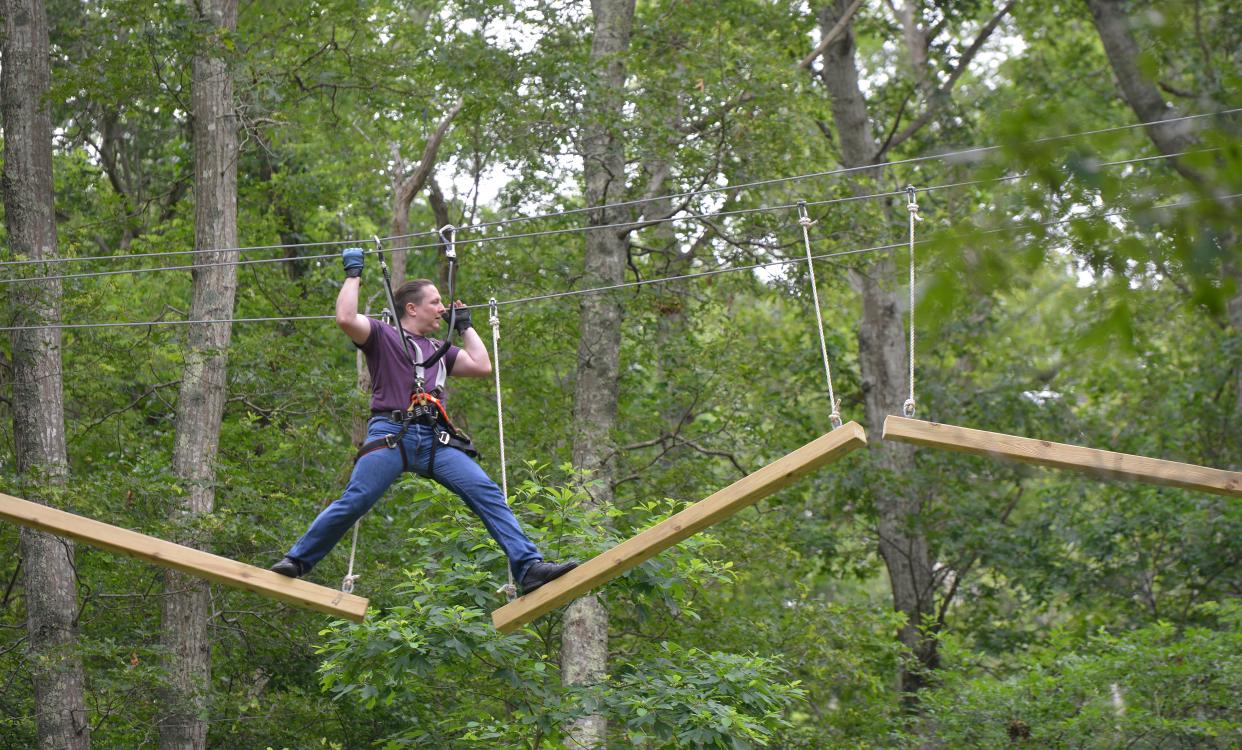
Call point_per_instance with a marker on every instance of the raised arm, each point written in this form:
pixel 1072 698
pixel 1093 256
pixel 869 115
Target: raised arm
pixel 473 361
pixel 355 326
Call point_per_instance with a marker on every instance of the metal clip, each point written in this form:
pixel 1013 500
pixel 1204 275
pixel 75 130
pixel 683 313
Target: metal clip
pixel 448 234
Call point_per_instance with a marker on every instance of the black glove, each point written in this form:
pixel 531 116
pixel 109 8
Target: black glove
pixel 461 321
pixel 351 258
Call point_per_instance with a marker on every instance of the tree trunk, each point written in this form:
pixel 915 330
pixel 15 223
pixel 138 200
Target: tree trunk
pixel 1234 268
pixel 38 400
pixel 1140 92
pixel 187 604
pixel 584 652
pixel 883 362
pixel 1149 105
pixel 406 186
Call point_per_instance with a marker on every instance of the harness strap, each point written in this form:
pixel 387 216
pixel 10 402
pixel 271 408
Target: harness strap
pixel 443 432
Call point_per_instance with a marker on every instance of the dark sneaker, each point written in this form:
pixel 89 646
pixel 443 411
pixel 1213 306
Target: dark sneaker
pixel 541 572
pixel 288 567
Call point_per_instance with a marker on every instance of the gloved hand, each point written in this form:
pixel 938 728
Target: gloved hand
pixel 462 320
pixel 351 258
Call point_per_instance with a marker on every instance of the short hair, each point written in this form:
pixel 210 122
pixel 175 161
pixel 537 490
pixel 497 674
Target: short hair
pixel 411 292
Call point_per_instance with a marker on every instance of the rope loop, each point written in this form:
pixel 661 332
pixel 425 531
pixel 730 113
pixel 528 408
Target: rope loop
pixel 911 204
pixel 347 584
pixel 803 219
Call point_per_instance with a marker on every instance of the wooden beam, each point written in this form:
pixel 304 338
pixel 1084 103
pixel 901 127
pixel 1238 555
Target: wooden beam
pixel 186 559
pixel 741 494
pixel 1062 456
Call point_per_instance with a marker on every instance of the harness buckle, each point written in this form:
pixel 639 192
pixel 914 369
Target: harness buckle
pixel 391 440
pixel 443 437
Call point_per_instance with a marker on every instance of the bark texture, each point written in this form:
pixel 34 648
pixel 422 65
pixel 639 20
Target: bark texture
pixel 584 653
pixel 884 362
pixel 38 401
pixel 186 609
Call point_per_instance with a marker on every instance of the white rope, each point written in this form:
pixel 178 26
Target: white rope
pixel 805 222
pixel 347 584
pixel 913 208
pixel 509 589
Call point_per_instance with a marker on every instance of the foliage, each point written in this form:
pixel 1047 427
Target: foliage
pixel 1061 295
pixel 1153 687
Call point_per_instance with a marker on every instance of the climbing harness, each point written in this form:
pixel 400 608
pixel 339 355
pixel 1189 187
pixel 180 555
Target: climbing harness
pixel 806 222
pixel 912 207
pixel 423 407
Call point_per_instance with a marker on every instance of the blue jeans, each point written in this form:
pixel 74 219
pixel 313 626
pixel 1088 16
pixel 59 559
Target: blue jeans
pixel 377 470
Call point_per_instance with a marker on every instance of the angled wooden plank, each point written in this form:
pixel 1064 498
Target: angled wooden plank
pixel 741 494
pixel 1062 456
pixel 186 559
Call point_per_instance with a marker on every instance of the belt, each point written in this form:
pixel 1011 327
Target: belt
pixel 418 414
pixel 425 414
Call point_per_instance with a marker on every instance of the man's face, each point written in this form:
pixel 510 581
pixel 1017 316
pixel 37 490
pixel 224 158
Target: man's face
pixel 424 317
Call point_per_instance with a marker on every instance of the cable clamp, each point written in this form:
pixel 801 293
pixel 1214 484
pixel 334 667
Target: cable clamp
pixel 493 313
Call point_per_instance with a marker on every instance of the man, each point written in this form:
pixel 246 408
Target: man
pixel 416 449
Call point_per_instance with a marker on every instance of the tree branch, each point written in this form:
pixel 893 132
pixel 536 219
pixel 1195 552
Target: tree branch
pixel 936 101
pixel 833 34
pixel 410 186
pixel 149 392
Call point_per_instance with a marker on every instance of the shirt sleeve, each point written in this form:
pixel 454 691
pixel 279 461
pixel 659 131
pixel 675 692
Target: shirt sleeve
pixel 369 345
pixel 450 358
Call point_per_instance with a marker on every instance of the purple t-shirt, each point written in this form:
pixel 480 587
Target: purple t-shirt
pixel 392 375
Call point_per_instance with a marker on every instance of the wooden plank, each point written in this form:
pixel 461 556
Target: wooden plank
pixel 741 494
pixel 186 559
pixel 1062 456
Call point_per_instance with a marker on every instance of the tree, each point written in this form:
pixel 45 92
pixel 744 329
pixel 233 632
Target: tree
pixel 38 400
pixel 584 655
pixel 1142 94
pixel 883 358
pixel 186 609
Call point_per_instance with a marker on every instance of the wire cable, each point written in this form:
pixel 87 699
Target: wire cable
pixel 844 170
pixel 572 230
pixel 948 155
pixel 645 282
